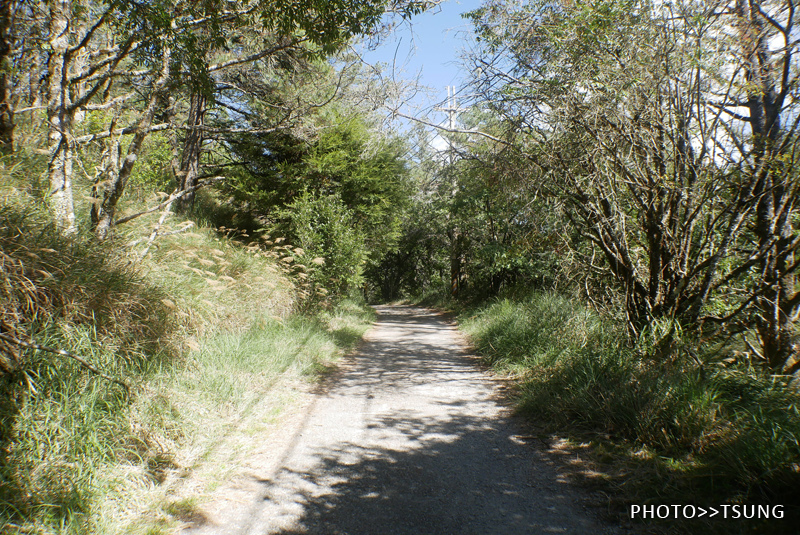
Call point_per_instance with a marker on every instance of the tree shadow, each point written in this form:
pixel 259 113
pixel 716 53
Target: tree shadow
pixel 412 441
pixel 457 474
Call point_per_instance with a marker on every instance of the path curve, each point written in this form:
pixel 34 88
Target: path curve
pixel 407 438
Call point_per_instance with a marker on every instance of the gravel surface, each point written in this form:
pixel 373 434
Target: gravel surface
pixel 408 437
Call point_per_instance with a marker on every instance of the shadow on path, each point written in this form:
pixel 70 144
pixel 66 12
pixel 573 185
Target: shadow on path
pixel 408 438
pixel 460 476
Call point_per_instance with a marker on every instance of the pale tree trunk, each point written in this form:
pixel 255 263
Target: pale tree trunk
pixel 117 180
pixel 78 63
pixel 33 88
pixel 59 118
pixel 172 136
pixel 6 110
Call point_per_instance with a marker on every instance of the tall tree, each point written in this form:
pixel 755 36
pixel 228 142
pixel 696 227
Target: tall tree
pixel 768 89
pixel 638 106
pixel 6 110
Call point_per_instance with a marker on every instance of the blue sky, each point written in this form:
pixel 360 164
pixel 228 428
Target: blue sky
pixel 429 45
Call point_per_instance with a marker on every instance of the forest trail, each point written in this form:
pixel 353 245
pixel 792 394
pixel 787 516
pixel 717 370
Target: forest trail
pixel 407 437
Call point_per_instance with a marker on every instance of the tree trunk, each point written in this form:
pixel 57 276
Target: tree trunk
pixel 59 118
pixel 773 225
pixel 455 262
pixel 109 176
pixel 117 180
pixel 192 147
pixel 6 110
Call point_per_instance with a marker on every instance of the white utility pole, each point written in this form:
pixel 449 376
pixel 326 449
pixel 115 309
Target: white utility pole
pixel 451 109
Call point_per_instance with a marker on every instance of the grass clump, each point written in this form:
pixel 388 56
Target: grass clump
pixel 670 430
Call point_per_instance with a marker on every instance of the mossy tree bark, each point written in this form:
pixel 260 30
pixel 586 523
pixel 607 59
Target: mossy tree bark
pixel 60 118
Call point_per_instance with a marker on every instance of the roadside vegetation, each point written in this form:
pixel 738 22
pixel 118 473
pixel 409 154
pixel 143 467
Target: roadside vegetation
pixel 196 201
pixel 650 430
pixel 206 333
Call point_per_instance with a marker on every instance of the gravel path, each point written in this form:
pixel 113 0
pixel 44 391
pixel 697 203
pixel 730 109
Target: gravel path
pixel 407 438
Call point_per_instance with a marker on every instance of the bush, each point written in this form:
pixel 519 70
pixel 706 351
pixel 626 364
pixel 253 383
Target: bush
pixel 331 241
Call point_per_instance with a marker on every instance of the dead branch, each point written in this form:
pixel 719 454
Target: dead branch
pixel 80 360
pixel 452 130
pixel 124 132
pixel 170 233
pixel 175 196
pixel 154 234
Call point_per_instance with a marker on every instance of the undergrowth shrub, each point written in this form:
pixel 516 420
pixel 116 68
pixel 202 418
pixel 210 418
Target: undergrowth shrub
pixel 326 229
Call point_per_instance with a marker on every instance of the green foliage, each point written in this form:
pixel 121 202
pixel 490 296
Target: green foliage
pixel 669 229
pixel 508 236
pixel 419 259
pixel 327 232
pixel 368 173
pixel 477 219
pixel 355 177
pixel 152 173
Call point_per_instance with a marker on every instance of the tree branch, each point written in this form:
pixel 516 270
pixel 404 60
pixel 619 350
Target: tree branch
pixel 451 130
pixel 172 198
pixel 124 132
pixel 80 360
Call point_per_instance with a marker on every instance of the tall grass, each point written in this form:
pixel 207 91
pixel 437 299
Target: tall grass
pixel 202 328
pixel 205 418
pixel 58 420
pixel 682 433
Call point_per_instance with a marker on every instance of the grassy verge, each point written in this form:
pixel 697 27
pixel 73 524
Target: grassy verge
pixel 652 431
pixel 57 420
pixel 201 421
pixel 203 329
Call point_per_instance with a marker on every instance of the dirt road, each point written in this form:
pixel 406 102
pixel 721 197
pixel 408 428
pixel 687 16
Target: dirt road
pixel 406 438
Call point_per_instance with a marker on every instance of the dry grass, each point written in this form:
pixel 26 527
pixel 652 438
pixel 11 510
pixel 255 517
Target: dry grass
pixel 58 420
